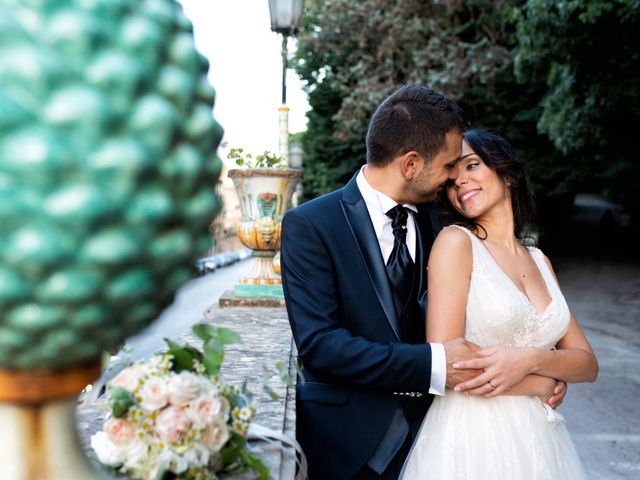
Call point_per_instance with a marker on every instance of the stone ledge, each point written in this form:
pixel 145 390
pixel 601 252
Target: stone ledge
pixel 229 299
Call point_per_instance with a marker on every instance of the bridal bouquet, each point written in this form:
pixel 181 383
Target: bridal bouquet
pixel 170 417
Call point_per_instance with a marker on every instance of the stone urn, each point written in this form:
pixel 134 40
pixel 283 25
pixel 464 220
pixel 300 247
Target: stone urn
pixel 265 195
pixel 107 166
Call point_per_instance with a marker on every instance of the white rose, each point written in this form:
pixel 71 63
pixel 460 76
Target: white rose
pixel 198 456
pixel 207 387
pixel 225 408
pixel 172 461
pixel 108 452
pixel 183 388
pixel 154 394
pixel 128 378
pixel 137 454
pixel 215 436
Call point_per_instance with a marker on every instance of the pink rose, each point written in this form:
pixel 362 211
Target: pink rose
pixel 129 378
pixel 119 431
pixel 172 424
pixel 204 410
pixel 215 436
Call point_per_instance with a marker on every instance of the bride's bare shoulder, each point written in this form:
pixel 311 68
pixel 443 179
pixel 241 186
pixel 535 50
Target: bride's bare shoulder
pixel 452 244
pixel 454 237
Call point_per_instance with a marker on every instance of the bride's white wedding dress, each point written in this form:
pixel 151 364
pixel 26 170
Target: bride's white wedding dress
pixel 505 437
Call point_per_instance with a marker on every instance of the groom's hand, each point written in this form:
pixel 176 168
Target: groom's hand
pixel 458 350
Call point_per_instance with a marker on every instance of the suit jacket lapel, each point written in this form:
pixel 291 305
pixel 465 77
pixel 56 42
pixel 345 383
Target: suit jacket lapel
pixel 357 217
pixel 425 235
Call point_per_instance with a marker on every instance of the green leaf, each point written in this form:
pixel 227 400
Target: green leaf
pixel 283 370
pixel 120 401
pixel 171 343
pixel 213 356
pixel 204 331
pixel 222 335
pixel 254 462
pixel 182 359
pixel 299 372
pixel 232 448
pixel 270 391
pixel 265 384
pixel 227 336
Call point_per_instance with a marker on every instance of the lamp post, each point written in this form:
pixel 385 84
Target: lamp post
pixel 285 19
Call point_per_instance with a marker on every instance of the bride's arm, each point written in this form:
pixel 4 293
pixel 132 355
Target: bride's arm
pixel 573 361
pixel 531 385
pixel 449 275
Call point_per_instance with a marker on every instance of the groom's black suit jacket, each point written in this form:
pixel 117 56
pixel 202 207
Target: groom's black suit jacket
pixel 355 351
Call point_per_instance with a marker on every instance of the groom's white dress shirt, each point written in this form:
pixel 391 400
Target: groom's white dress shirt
pixel 378 204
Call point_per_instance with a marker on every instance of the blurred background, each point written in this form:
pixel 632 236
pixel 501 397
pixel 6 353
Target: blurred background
pixel 559 79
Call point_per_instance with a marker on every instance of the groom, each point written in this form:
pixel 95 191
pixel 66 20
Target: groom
pixel 354 273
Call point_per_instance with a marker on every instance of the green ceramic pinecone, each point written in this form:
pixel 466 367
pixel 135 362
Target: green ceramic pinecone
pixel 107 167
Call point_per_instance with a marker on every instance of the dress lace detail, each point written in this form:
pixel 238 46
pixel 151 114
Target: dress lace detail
pixel 506 437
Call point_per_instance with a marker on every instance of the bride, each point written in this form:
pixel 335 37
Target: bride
pixel 486 286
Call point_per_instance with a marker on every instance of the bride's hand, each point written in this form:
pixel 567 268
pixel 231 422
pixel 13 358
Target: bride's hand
pixel 503 368
pixel 548 388
pixel 559 392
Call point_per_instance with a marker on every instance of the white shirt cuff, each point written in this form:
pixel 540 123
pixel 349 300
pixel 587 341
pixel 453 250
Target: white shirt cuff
pixel 438 369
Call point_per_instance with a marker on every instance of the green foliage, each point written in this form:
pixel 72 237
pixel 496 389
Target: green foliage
pixel 212 356
pixel 559 79
pixel 586 52
pixel 266 375
pixel 183 356
pixel 263 160
pixel 120 401
pixel 354 54
pixel 214 338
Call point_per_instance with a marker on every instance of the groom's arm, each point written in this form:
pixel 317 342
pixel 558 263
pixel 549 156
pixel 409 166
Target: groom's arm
pixel 326 348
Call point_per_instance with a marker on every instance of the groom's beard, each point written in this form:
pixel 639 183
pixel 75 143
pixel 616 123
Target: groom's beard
pixel 423 189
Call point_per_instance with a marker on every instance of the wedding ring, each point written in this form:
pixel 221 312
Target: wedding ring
pixel 493 387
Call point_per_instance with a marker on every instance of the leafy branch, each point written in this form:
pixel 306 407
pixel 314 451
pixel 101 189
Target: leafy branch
pixel 264 160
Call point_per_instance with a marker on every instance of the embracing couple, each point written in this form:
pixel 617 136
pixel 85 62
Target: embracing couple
pixel 430 352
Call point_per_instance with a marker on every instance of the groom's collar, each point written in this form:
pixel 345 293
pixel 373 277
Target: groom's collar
pixel 375 199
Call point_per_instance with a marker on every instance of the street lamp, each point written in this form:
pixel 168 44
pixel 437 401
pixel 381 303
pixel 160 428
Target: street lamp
pixel 285 19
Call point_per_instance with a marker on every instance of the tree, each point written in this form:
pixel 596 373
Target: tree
pixel 354 54
pixel 586 52
pixel 558 78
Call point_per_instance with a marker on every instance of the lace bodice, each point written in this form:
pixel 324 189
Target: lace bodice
pixel 498 313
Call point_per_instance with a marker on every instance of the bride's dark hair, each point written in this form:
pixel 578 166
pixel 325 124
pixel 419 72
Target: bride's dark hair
pixel 498 154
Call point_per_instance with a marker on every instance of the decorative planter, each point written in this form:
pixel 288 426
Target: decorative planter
pixel 265 195
pixel 107 158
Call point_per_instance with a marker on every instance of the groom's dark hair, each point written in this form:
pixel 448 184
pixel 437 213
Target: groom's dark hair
pixel 412 118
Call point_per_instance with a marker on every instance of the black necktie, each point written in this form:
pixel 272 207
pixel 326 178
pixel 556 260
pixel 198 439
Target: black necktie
pixel 400 265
